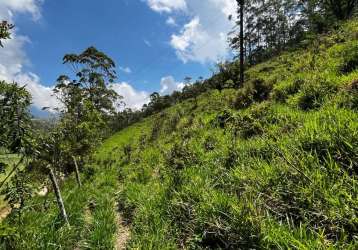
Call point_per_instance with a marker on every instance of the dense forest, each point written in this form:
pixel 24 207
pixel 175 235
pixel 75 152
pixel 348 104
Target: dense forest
pixel 261 155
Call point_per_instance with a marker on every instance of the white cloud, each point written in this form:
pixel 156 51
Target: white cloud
pixel 125 69
pixel 167 5
pixel 13 57
pixel 7 7
pixel 42 96
pixel 171 21
pixel 203 38
pixel 133 98
pixel 168 85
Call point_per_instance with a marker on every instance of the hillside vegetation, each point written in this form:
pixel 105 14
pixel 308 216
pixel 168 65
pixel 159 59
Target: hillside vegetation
pixel 271 165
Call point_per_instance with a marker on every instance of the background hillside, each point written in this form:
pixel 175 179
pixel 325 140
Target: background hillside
pixel 273 164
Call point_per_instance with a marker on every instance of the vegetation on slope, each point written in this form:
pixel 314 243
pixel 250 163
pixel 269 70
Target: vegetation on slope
pixel 270 165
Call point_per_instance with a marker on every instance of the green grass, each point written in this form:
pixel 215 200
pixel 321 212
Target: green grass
pixel 279 172
pixel 90 209
pixel 9 159
pixel 239 170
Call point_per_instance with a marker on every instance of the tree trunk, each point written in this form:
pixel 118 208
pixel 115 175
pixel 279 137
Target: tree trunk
pixel 12 171
pixel 60 204
pixel 241 3
pixel 78 177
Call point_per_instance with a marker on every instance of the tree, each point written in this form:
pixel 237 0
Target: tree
pixel 87 103
pixel 15 122
pixel 5 28
pixel 266 28
pixel 49 156
pixel 95 71
pixel 341 9
pixel 241 4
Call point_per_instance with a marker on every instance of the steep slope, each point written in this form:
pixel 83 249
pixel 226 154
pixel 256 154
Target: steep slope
pixel 272 165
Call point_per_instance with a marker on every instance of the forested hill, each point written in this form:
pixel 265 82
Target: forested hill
pixel 270 165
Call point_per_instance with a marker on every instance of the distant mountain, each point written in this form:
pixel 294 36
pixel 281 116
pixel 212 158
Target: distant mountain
pixel 39 113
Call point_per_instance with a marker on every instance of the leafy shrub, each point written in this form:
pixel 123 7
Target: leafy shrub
pixel 243 99
pixel 254 91
pixel 261 89
pixel 142 142
pixel 248 126
pixel 348 97
pixel 222 119
pixel 210 143
pixel 156 128
pixel 232 157
pixel 172 122
pixel 180 156
pixel 283 90
pixel 350 58
pixel 127 151
pixel 313 94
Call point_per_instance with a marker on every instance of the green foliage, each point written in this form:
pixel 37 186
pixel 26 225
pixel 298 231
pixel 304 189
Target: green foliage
pixel 314 93
pixel 283 90
pixel 5 28
pixel 179 157
pixel 15 132
pixel 350 57
pixel 278 173
pixel 266 175
pixel 18 191
pixel 255 90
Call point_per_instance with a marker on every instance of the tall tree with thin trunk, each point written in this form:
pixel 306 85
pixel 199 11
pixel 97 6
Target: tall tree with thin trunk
pixel 87 102
pixel 241 4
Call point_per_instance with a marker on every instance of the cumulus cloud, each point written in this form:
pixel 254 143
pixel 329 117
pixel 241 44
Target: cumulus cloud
pixel 204 37
pixel 13 58
pixel 167 5
pixel 168 85
pixel 8 7
pixel 132 98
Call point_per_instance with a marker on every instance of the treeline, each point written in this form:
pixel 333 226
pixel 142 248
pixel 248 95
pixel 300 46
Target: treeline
pixel 225 77
pixel 270 27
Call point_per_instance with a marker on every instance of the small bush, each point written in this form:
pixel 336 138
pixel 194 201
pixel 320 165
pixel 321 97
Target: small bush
pixel 283 90
pixel 313 94
pixel 180 156
pixel 222 119
pixel 210 143
pixel 172 122
pixel 256 90
pixel 127 151
pixel 350 59
pixel 157 126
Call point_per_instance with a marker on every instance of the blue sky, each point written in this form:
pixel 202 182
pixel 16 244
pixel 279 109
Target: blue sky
pixel 155 43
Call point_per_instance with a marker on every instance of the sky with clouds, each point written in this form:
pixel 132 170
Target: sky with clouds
pixel 155 43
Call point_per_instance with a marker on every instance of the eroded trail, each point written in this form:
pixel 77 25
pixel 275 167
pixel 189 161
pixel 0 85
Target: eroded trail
pixel 123 232
pixel 4 212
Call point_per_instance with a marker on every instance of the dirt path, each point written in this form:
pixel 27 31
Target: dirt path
pixel 123 232
pixel 4 212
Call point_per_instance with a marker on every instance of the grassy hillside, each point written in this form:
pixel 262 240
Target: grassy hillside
pixel 272 165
